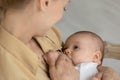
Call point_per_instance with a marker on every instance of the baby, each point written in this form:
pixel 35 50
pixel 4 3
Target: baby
pixel 86 50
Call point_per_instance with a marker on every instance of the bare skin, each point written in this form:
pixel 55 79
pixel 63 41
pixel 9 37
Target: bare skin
pixel 57 61
pixel 36 18
pixel 61 67
pixel 103 74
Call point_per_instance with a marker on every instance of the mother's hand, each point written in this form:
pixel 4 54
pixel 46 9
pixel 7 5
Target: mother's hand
pixel 106 73
pixel 61 67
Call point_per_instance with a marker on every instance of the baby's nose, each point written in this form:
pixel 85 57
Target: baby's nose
pixel 67 51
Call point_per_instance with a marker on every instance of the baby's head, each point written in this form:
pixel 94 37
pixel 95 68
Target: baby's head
pixel 84 46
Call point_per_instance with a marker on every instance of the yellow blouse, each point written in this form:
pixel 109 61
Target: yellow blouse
pixel 18 62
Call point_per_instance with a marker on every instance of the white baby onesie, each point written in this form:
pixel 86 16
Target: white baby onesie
pixel 87 70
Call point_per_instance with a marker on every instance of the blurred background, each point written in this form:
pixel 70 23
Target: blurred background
pixel 99 16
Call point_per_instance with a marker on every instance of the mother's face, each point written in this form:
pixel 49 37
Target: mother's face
pixel 48 13
pixel 56 9
pixel 53 11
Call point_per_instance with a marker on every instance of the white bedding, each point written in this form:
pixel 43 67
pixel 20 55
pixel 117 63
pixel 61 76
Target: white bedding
pixel 114 63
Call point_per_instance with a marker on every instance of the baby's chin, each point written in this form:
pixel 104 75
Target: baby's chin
pixel 76 63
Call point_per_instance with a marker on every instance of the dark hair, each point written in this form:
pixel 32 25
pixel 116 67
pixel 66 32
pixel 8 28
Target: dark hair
pixel 5 4
pixel 11 4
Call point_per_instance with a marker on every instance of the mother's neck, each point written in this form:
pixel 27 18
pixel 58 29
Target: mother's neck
pixel 18 24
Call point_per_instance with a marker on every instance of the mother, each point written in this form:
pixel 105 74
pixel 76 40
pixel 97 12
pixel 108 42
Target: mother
pixel 25 35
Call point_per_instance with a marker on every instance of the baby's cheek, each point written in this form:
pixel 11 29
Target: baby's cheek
pixel 76 60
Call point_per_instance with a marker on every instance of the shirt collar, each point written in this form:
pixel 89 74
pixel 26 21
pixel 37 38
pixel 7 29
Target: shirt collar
pixel 18 49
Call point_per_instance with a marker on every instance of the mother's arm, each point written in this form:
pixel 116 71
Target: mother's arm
pixel 61 68
pixel 106 73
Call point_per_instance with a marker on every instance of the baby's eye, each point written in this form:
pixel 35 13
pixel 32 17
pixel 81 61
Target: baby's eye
pixel 76 47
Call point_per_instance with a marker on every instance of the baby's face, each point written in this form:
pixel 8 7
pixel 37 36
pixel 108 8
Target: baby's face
pixel 80 49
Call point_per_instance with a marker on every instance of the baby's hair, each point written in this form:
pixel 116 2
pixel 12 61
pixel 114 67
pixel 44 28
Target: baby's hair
pixel 97 38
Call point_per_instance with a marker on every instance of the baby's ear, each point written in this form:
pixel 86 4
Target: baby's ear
pixel 97 57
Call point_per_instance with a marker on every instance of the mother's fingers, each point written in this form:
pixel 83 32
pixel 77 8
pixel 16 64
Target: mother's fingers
pixel 94 78
pixel 63 60
pixel 60 67
pixel 107 73
pixel 51 58
pixel 98 76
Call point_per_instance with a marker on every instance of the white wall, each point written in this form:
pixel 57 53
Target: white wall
pixel 99 16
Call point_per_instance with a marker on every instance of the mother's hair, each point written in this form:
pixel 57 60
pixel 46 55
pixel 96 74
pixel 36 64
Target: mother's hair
pixel 12 4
